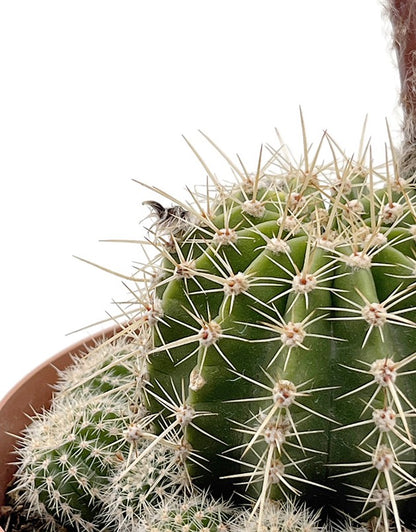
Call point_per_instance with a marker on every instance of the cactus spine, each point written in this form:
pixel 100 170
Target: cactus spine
pixel 272 344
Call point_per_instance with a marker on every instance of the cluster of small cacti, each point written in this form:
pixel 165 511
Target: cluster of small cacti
pixel 90 463
pixel 270 357
pixel 68 452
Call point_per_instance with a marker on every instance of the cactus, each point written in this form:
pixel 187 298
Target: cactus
pixel 283 322
pixel 270 349
pixel 265 377
pixel 269 356
pixel 77 461
pixel 285 516
pixel 176 512
pixel 68 452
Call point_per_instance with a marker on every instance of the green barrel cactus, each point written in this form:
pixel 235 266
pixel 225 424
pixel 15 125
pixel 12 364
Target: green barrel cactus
pixel 283 319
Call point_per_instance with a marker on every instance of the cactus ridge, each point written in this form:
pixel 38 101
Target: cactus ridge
pixel 270 358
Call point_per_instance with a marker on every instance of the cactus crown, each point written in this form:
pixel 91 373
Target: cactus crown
pixel 270 357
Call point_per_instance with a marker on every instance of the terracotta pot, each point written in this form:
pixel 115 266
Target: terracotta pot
pixel 33 393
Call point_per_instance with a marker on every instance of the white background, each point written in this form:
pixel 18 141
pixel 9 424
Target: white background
pixel 94 94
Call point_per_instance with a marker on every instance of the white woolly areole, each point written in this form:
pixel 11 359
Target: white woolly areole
pixel 375 314
pixel 384 371
pixel 376 240
pixel 184 414
pixel 412 230
pixel 185 269
pixel 397 185
pixel 225 237
pixel 284 393
pixel 381 497
pixel 327 241
pixel 247 184
pixel 133 433
pixel 278 245
pixel 296 201
pixel 289 223
pixel 142 345
pixel 359 171
pixel 153 312
pixel 292 334
pixel 210 333
pixel 276 472
pixel 264 181
pixel 344 184
pixel 236 284
pixel 196 380
pixel 254 208
pixel 276 430
pixel 182 451
pixel 391 212
pixel 383 458
pixel 178 519
pixel 361 234
pixel 359 260
pixel 355 206
pixel 304 283
pixel 384 419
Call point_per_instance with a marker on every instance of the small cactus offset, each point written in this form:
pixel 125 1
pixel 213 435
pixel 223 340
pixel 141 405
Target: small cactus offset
pixel 68 452
pixel 265 378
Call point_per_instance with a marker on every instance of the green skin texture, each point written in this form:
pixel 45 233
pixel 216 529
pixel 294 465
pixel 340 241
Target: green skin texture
pixel 236 381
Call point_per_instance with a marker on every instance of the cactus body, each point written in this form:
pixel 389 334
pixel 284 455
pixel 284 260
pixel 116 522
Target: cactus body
pixel 286 328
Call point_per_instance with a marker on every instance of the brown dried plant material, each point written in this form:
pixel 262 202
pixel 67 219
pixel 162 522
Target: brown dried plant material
pixel 402 14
